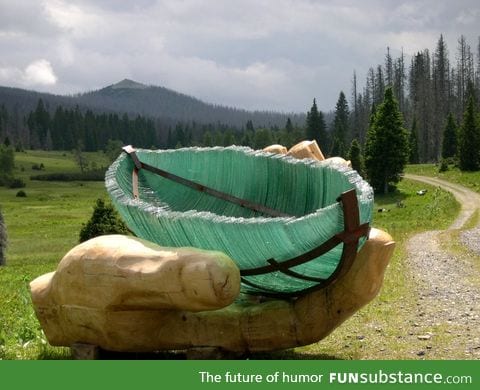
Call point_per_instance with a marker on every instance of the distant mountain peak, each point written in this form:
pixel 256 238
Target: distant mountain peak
pixel 128 84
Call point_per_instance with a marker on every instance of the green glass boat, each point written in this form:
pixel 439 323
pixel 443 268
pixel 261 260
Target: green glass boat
pixel 290 225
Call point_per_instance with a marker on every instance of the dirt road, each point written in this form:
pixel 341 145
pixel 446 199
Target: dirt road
pixel 448 305
pixel 469 200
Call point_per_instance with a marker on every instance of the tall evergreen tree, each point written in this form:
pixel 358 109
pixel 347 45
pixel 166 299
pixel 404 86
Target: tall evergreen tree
pixel 356 158
pixel 262 138
pixel 413 143
pixel 249 126
pixel 469 139
pixel 3 240
pixel 207 139
pixel 420 82
pixel 340 131
pixel 379 85
pixel 7 163
pixel 441 80
pixel 399 81
pixel 316 129
pixel 386 152
pixel 38 123
pixel 355 117
pixel 289 126
pixel 388 69
pixel 287 135
pixel 465 72
pixel 449 144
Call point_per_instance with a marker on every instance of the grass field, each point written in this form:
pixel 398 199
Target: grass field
pixel 468 179
pixel 43 226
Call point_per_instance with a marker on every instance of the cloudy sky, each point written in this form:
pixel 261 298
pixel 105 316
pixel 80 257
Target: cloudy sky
pixel 255 54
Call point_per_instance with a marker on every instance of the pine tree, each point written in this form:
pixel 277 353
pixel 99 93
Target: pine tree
pixel 388 69
pixel 449 145
pixel 413 143
pixel 340 127
pixel 38 123
pixel 7 163
pixel 440 76
pixel 465 72
pixel 207 139
pixel 80 157
pixel 262 138
pixel 104 220
pixel 422 105
pixel 170 139
pixel 356 158
pixel 316 129
pixel 228 138
pixel 3 240
pixel 469 139
pixel 289 126
pixel 113 149
pixel 399 81
pixel 386 152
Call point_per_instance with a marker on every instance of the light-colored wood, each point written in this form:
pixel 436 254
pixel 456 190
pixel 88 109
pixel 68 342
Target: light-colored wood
pixel 85 351
pixel 90 299
pixel 339 160
pixel 306 149
pixel 276 149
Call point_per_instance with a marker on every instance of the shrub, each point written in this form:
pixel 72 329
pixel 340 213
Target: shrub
pixel 443 166
pixel 104 220
pixel 16 183
pixel 5 180
pixel 98 175
pixel 3 240
pixel 21 194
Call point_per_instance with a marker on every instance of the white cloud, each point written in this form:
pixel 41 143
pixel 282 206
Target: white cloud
pixel 39 73
pixel 80 22
pixel 10 76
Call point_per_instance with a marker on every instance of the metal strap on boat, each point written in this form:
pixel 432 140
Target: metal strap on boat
pixel 196 186
pixel 349 237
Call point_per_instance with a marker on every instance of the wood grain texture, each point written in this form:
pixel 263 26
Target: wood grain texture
pixel 123 294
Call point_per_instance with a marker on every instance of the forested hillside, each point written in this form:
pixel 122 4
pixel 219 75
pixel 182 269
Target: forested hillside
pixel 158 102
pixel 134 113
pixel 429 87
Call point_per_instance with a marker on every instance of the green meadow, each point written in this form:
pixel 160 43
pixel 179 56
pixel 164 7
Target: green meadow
pixel 468 179
pixel 45 224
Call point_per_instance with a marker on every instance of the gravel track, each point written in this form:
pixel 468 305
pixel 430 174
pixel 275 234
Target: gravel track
pixel 449 298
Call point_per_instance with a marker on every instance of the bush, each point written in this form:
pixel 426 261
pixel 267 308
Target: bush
pixel 3 240
pixel 16 183
pixel 104 220
pixel 38 167
pixel 97 175
pixel 443 166
pixel 5 180
pixel 21 194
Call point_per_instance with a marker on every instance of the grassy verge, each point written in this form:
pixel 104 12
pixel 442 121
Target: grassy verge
pixel 43 226
pixel 468 179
